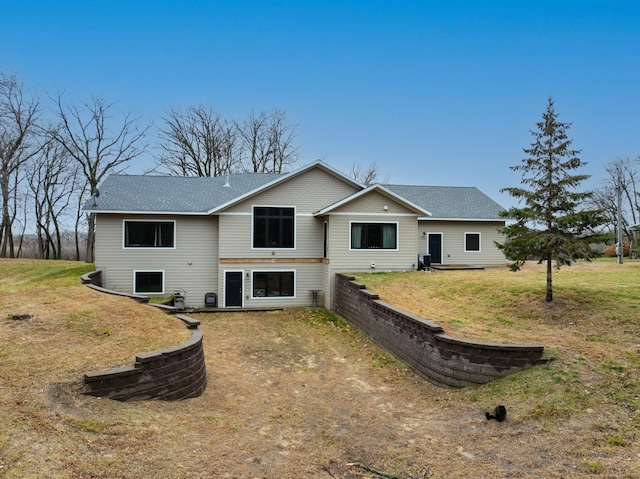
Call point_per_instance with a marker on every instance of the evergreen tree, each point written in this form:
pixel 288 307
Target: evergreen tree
pixel 551 227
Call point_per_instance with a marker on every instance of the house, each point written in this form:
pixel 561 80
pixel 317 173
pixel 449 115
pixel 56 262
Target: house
pixel 274 240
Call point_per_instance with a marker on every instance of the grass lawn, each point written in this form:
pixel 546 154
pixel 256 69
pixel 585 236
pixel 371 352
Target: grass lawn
pixel 298 393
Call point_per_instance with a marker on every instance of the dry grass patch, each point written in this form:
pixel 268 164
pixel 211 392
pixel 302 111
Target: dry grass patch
pixel 299 394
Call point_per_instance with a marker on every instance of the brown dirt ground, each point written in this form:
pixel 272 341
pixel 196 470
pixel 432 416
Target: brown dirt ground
pixel 289 396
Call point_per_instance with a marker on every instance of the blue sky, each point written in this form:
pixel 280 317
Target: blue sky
pixel 436 93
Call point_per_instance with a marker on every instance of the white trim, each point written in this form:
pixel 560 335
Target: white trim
pixel 284 178
pixel 388 193
pixel 484 220
pixel 397 248
pixel 295 228
pixel 135 212
pixel 135 289
pixel 145 220
pixel 295 283
pixel 349 213
pixel 479 250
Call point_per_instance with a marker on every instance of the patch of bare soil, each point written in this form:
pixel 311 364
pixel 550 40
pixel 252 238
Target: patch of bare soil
pixel 292 397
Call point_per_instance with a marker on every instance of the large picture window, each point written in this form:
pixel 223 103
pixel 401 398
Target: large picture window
pixel 148 282
pixel 273 227
pixel 271 284
pixel 472 241
pixel 374 236
pixel 149 234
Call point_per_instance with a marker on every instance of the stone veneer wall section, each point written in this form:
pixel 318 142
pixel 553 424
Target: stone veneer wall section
pixel 424 346
pixel 171 374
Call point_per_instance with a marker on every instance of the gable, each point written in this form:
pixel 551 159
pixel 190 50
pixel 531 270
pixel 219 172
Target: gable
pixel 373 202
pixel 308 191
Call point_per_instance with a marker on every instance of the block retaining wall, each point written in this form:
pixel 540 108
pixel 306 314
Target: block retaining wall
pixel 424 346
pixel 174 373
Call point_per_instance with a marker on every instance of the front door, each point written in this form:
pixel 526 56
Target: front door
pixel 434 247
pixel 233 289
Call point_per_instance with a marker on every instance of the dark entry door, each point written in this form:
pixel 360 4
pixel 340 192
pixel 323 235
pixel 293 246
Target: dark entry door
pixel 435 247
pixel 233 289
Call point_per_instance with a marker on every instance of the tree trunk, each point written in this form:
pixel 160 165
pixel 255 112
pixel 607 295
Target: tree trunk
pixel 90 238
pixel 6 242
pixel 549 297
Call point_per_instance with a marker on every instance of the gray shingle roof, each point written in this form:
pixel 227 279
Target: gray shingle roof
pixel 172 194
pixel 191 195
pixel 448 202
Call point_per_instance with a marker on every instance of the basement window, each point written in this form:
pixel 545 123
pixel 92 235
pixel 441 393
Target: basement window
pixel 273 284
pixel 148 282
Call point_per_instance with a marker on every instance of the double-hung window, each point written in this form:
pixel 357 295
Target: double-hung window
pixel 273 227
pixel 149 234
pixel 374 236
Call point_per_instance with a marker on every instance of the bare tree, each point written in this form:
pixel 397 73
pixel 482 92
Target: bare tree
pixel 623 176
pixel 283 151
pixel 197 141
pixel 366 176
pixel 53 180
pixel 99 143
pixel 255 145
pixel 19 111
pixel 268 142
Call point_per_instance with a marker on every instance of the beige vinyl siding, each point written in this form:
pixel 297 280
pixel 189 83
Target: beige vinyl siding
pixel 374 202
pixel 308 276
pixel 306 193
pixel 192 265
pixel 310 192
pixel 453 238
pixel 236 234
pixel 343 258
pixel 369 208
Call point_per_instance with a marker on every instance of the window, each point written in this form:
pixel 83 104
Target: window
pixel 271 284
pixel 273 227
pixel 148 282
pixel 472 241
pixel 374 235
pixel 325 236
pixel 149 234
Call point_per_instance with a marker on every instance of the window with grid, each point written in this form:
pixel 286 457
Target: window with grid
pixel 273 227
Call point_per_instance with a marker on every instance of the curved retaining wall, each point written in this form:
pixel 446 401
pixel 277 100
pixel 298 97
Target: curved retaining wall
pixel 174 373
pixel 171 374
pixel 424 346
